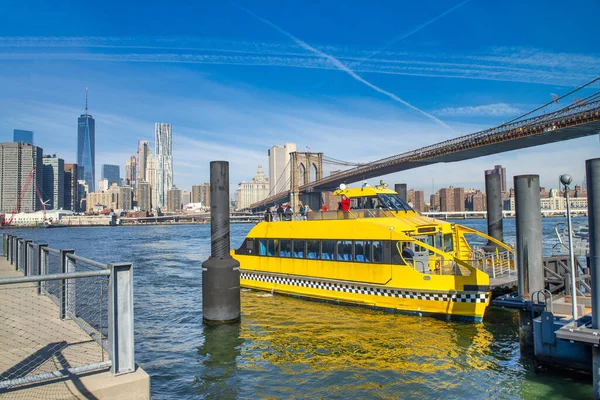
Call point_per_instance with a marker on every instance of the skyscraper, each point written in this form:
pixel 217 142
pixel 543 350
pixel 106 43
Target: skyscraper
pixel 151 179
pixel 279 168
pixel 17 162
pixel 201 194
pixel 22 136
pixel 111 173
pixel 86 148
pixel 164 162
pixel 174 199
pixel 71 191
pixel 251 192
pixel 130 172
pixel 144 196
pixel 142 160
pixel 54 182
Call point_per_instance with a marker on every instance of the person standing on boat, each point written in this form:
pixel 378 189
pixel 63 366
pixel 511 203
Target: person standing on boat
pixel 268 215
pixel 288 213
pixel 407 252
pixel 345 206
pixel 280 212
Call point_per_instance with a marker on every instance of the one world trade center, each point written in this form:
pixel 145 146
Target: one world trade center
pixel 86 148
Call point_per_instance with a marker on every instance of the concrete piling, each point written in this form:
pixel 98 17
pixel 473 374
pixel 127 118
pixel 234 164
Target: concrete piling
pixel 493 191
pixel 220 273
pixel 592 171
pixel 400 188
pixel 529 249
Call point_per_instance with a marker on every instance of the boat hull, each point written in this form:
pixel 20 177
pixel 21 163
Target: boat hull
pixel 464 305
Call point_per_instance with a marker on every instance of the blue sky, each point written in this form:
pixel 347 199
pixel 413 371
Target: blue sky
pixel 359 82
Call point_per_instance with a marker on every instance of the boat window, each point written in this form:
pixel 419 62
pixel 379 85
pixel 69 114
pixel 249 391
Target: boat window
pixel 328 250
pixel 344 250
pixel 438 241
pixel 272 247
pixel 393 202
pixel 396 256
pixel 250 246
pixel 262 247
pixel 448 242
pixel 362 251
pixel 285 248
pixel 426 239
pixel 312 249
pixel 299 248
pixel 377 252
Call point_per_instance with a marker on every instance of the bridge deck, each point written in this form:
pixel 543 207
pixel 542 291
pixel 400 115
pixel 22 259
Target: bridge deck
pixel 34 340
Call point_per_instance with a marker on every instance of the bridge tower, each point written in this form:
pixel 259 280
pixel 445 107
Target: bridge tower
pixel 303 167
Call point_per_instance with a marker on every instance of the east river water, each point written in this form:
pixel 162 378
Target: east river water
pixel 291 348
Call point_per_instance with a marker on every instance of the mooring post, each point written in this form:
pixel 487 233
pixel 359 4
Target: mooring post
pixel 592 173
pixel 220 273
pixel 529 249
pixel 400 188
pixel 493 193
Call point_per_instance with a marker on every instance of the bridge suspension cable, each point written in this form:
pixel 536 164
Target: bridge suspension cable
pixel 334 161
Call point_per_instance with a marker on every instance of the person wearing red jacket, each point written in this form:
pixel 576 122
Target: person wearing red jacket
pixel 345 203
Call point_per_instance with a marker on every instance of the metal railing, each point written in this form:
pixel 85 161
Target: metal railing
pixel 66 315
pixel 495 264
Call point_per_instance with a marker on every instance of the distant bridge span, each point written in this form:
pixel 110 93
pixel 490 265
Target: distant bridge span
pixel 574 121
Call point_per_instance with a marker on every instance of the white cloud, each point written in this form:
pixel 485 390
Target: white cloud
pixel 489 110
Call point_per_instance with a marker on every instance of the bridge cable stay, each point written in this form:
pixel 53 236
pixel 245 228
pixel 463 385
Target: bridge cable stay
pixel 279 179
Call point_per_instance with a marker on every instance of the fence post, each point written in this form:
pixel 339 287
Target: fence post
pixel 8 244
pixel 10 248
pixel 17 251
pixel 26 271
pixel 42 266
pixel 64 289
pixel 120 318
pixel 4 241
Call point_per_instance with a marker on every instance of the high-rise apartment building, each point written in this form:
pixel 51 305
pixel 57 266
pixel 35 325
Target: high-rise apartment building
pixel 446 199
pixel 251 192
pixel 111 173
pixel 499 169
pixel 54 182
pixel 22 136
pixel 164 162
pixel 201 194
pixel 151 179
pixel 144 196
pixel 174 199
pixel 71 191
pixel 142 159
pixel 186 198
pixel 279 168
pixel 419 200
pixel 131 172
pixel 86 148
pixel 459 199
pixel 125 201
pixel 17 162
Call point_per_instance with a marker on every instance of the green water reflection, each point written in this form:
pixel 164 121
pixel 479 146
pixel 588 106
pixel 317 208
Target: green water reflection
pixel 292 348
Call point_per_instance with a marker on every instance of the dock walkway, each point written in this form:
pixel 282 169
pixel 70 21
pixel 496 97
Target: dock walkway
pixel 34 340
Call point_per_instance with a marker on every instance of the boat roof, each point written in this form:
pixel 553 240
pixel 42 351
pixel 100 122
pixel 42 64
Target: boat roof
pixel 365 191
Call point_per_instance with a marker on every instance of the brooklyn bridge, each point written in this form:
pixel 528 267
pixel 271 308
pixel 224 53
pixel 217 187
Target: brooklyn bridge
pixel 537 127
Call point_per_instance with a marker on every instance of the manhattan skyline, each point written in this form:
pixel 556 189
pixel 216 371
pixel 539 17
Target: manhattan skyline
pixel 238 80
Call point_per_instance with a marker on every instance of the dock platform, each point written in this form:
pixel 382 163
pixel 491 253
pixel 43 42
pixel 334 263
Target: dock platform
pixel 28 347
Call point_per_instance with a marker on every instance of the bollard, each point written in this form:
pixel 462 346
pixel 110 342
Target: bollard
pixel 493 193
pixel 400 188
pixel 220 273
pixel 529 249
pixel 592 171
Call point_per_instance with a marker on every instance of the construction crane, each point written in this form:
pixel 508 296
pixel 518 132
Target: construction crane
pixel 28 182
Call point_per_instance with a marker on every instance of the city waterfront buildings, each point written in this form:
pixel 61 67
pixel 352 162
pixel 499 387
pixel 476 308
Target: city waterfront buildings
pixel 251 192
pixel 21 174
pixel 186 197
pixel 125 199
pixel 111 173
pixel 174 199
pixel 71 190
pixel 86 148
pixel 279 168
pixel 131 172
pixel 144 196
pixel 164 162
pixel 54 182
pixel 22 136
pixel 107 199
pixel 201 194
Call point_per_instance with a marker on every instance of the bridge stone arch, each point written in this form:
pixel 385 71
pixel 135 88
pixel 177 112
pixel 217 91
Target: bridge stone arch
pixel 302 166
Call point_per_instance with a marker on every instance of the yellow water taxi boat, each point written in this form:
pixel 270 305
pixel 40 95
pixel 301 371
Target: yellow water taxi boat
pixel 380 253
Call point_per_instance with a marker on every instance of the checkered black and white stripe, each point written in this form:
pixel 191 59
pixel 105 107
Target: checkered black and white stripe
pixel 460 297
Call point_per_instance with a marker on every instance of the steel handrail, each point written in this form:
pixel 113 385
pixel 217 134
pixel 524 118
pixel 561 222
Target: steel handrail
pixel 53 277
pixel 93 263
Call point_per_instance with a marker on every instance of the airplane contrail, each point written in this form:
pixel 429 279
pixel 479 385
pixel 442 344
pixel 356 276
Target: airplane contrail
pixel 344 68
pixel 415 30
